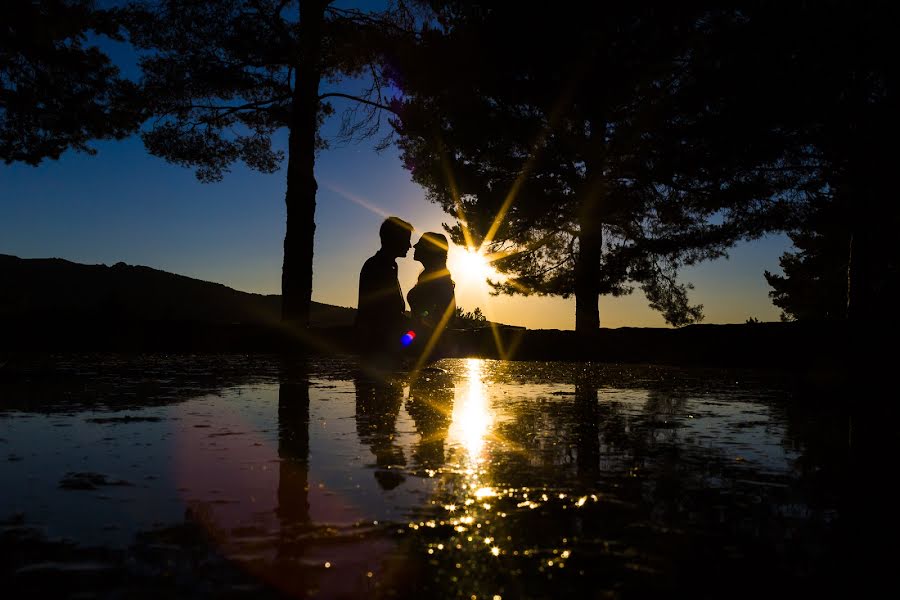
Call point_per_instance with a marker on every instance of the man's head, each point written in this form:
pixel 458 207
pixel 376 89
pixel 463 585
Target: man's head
pixel 395 235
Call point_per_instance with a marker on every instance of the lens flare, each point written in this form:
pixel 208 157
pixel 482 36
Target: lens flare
pixel 471 268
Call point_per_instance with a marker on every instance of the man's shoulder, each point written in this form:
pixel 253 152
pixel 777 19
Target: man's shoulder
pixel 372 261
pixel 368 263
pixel 376 263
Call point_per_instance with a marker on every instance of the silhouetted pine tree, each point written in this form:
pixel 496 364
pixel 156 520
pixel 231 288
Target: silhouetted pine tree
pixel 830 65
pixel 224 76
pixel 594 147
pixel 56 90
pixel 814 284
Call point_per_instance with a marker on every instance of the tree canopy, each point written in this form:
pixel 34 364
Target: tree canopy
pixel 814 284
pixel 838 96
pixel 58 91
pixel 223 77
pixel 593 148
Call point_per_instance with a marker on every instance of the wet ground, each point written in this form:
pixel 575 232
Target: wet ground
pixel 187 476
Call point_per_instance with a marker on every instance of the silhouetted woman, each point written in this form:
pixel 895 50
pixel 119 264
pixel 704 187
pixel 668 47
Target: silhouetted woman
pixel 431 301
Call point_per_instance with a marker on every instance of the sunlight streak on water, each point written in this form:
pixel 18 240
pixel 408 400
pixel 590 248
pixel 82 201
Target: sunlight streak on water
pixel 472 418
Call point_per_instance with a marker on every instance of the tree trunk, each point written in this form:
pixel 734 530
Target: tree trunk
pixel 587 270
pixel 590 233
pixel 296 274
pixel 855 278
pixel 864 260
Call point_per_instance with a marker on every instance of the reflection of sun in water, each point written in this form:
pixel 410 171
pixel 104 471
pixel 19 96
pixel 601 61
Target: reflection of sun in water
pixel 471 415
pixel 470 268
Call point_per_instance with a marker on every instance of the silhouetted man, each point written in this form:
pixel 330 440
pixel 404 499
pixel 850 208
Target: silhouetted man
pixel 381 318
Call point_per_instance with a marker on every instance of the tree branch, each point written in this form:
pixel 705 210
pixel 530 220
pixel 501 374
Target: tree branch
pixel 358 16
pixel 234 109
pixel 358 99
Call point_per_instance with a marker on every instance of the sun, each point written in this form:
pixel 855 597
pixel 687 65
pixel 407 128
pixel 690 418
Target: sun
pixel 470 267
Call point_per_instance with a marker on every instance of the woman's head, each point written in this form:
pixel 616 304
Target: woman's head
pixel 431 249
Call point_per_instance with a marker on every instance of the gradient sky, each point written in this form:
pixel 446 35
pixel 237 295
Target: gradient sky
pixel 125 205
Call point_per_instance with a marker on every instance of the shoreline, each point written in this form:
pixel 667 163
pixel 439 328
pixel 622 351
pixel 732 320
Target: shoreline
pixel 787 346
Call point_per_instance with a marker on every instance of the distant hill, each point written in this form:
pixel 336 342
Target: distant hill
pixel 42 288
pixel 53 305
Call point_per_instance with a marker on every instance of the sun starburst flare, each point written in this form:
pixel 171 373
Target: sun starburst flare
pixel 472 268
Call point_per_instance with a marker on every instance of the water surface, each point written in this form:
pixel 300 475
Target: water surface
pixel 207 476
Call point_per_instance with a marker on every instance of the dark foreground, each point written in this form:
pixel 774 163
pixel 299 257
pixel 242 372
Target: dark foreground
pixel 211 476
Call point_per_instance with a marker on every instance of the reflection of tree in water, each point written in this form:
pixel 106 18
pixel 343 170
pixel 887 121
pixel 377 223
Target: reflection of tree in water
pixel 611 437
pixel 838 446
pixel 822 430
pixel 533 524
pixel 663 408
pixel 304 545
pixel 587 430
pixel 671 513
pixel 577 435
pixel 430 405
pixel 669 489
pixel 293 454
pixel 378 403
pixel 67 383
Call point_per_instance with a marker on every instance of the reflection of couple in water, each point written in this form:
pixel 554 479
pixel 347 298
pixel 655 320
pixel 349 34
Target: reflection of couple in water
pixel 381 321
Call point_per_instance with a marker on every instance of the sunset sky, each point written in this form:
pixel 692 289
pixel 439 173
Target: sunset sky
pixel 125 205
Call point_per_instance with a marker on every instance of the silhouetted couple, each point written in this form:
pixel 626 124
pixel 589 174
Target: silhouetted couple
pixel 383 327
